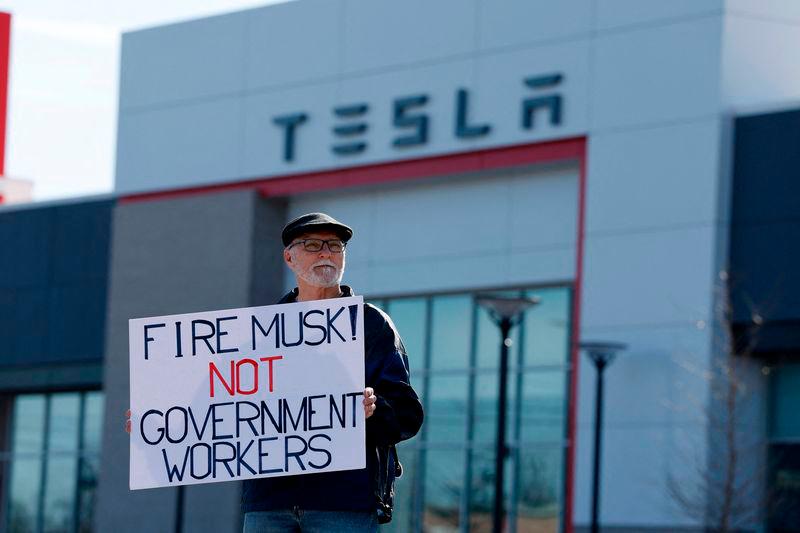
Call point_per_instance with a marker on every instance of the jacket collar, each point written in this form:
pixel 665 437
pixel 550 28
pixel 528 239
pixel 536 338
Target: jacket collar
pixel 291 296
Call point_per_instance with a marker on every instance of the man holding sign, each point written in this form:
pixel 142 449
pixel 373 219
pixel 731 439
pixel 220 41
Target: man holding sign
pixel 269 395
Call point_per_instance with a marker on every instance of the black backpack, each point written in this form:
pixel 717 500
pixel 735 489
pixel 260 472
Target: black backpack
pixel 389 468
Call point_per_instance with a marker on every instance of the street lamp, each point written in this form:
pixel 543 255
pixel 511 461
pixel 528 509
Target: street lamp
pixel 506 312
pixel 602 354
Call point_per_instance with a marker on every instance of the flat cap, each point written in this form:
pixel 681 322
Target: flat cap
pixel 314 222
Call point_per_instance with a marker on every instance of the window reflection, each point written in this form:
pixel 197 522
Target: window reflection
pixel 64 422
pixel 482 479
pixel 408 315
pixel 23 505
pixel 485 407
pixel 446 419
pixel 540 488
pixel 59 499
pixel 28 435
pixel 543 406
pixel 451 323
pixel 456 448
pixel 26 473
pixel 443 486
pixel 546 334
pixel 488 337
pixel 54 456
pixel 90 462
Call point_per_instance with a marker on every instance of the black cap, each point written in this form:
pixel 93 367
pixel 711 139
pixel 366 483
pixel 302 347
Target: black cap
pixel 314 222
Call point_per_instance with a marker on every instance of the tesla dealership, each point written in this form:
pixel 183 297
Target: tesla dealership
pixel 634 165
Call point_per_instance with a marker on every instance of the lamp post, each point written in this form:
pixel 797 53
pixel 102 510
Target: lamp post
pixel 506 312
pixel 601 354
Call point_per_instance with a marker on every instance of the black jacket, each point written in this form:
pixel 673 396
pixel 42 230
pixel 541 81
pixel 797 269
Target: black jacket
pixel 398 416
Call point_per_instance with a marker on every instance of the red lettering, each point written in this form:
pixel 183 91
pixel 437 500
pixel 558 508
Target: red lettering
pixel 212 369
pixel 269 361
pixel 234 384
pixel 239 376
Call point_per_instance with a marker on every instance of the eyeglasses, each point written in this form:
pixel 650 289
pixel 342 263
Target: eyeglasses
pixel 335 246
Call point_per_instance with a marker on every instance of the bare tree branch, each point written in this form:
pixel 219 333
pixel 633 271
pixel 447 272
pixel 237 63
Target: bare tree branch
pixel 724 490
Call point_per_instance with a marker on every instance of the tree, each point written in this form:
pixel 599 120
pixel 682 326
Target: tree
pixel 726 489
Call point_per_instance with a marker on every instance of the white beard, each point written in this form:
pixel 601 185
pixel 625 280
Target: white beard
pixel 327 276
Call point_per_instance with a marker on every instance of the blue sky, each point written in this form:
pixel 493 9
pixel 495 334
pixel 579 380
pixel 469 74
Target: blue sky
pixel 63 85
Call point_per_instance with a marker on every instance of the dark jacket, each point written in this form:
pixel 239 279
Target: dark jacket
pixel 398 416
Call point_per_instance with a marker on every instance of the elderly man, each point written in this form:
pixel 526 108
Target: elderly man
pixel 348 500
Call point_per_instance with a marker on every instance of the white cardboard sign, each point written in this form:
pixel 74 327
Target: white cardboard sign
pixel 246 393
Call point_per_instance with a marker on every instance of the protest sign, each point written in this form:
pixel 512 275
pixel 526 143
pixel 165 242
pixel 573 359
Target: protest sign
pixel 246 393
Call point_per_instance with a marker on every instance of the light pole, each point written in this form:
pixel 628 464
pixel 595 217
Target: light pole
pixel 601 354
pixel 506 312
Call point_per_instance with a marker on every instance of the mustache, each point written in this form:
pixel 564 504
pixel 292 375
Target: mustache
pixel 324 262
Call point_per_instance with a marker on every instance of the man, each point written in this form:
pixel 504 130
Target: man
pixel 347 500
pixel 337 501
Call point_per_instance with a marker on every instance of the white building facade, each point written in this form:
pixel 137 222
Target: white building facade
pixel 575 150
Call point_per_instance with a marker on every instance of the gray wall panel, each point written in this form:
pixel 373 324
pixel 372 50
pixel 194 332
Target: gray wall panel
pixel 193 59
pixel 174 256
pixel 53 278
pixel 266 282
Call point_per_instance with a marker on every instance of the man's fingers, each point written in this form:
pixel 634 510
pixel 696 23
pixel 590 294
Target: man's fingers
pixel 369 401
pixel 128 426
pixel 128 413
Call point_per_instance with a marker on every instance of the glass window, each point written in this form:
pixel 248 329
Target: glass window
pixel 784 487
pixel 546 326
pixel 54 456
pixel 60 494
pixel 485 408
pixel 539 477
pixel 64 422
pixel 543 408
pixel 451 332
pixel 785 400
pixel 443 486
pixel 446 419
pixel 409 317
pixel 92 422
pixel 488 338
pixel 90 459
pixel 27 443
pixel 481 498
pixel 62 468
pixel 23 504
pixel 449 467
pixel 28 434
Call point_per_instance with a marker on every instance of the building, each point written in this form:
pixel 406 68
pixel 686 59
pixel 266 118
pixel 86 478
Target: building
pixel 613 158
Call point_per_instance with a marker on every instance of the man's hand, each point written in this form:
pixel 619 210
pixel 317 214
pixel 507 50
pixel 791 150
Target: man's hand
pixel 369 402
pixel 128 421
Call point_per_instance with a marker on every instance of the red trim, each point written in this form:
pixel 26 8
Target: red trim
pixel 5 48
pixel 528 154
pixel 427 167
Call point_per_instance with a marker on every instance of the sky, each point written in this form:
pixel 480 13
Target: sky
pixel 63 85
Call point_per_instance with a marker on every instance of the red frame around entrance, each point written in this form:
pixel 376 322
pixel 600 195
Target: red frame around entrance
pixel 5 49
pixel 572 149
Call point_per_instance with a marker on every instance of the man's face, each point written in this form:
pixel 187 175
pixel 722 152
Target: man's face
pixel 318 269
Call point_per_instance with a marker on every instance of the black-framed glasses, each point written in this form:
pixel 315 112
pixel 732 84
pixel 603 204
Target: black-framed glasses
pixel 336 246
